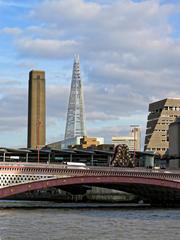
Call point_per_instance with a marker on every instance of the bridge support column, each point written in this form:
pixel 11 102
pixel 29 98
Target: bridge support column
pixel 92 160
pixel 4 157
pixel 26 157
pixel 70 157
pixel 109 160
pixel 49 157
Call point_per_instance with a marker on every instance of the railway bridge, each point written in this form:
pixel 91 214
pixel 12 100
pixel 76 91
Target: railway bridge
pixel 156 186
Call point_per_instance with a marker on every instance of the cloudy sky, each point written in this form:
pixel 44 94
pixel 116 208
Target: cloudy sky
pixel 129 52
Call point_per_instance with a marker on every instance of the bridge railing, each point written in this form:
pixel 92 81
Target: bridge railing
pixel 52 169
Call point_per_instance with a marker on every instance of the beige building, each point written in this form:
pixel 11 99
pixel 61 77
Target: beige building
pixel 36 110
pixel 161 115
pixel 133 141
pixel 77 142
pixel 88 142
pixel 82 142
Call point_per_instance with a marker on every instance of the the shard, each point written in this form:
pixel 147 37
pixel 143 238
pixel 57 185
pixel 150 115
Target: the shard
pixel 75 123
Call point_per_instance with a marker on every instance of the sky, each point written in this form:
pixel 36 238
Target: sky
pixel 129 54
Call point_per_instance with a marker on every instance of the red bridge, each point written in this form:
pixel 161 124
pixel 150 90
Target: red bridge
pixel 157 186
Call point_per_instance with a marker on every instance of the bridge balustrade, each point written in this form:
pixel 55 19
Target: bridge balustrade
pixel 94 171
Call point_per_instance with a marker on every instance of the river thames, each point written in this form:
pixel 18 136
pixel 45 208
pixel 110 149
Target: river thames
pixel 85 223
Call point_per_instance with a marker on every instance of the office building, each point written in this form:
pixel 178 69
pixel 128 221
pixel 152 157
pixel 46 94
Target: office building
pixel 133 141
pixel 36 110
pixel 161 114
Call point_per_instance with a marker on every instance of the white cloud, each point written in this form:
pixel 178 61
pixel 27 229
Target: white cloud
pixel 11 30
pixel 71 10
pixel 46 48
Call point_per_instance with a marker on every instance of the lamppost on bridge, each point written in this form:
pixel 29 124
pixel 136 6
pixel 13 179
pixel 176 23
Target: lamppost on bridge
pixel 38 136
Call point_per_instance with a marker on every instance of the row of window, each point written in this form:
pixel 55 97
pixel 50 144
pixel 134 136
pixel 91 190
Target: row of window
pixel 172 108
pixel 168 108
pixel 156 149
pixel 160 130
pixel 170 119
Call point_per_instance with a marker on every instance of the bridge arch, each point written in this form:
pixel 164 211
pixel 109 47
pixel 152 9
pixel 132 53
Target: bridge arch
pixel 153 189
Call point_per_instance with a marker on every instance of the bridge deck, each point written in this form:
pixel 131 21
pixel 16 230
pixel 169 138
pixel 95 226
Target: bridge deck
pixel 59 169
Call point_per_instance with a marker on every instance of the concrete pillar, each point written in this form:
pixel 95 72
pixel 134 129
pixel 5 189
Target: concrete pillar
pixel 26 157
pixel 92 160
pixel 49 157
pixel 109 160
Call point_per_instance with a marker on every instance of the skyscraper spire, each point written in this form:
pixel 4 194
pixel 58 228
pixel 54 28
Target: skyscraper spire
pixel 75 125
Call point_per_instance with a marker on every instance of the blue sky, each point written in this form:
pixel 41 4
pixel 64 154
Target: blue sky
pixel 129 52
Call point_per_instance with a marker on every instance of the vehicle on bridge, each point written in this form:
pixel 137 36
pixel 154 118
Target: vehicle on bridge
pixel 76 165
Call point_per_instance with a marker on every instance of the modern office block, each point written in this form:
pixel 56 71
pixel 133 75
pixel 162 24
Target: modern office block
pixel 75 123
pixel 36 110
pixel 161 114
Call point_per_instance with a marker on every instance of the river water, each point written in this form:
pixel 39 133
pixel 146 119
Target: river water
pixel 87 223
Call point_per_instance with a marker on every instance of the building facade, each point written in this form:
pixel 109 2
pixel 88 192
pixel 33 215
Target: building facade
pixel 161 114
pixel 133 141
pixel 36 110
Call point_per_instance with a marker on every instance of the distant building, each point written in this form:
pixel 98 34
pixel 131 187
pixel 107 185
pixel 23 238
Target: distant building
pixel 161 114
pixel 90 142
pixel 174 139
pixel 75 123
pixel 106 147
pixel 82 142
pixel 66 143
pixel 36 110
pixel 133 141
pixel 55 145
